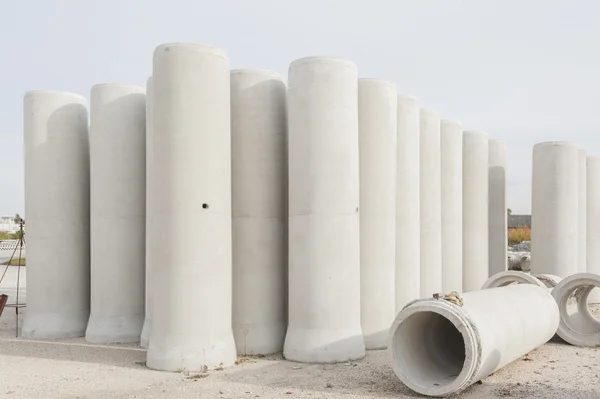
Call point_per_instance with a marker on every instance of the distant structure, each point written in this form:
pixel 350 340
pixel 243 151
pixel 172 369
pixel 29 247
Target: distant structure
pixel 515 221
pixel 9 224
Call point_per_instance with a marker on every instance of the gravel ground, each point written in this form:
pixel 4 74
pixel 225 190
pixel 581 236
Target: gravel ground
pixel 74 369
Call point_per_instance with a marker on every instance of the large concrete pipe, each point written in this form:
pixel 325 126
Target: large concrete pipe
pixel 582 211
pixel 377 103
pixel 451 165
pixel 475 210
pixel 498 216
pixel 577 325
pixel 147 328
pixel 509 277
pixel 554 209
pixel 191 163
pixel 408 223
pixel 440 347
pixel 430 194
pixel 548 280
pixel 324 255
pixel 259 209
pixel 117 212
pixel 57 205
pixel 593 217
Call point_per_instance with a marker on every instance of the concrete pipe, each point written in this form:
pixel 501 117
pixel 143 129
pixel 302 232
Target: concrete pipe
pixel 57 205
pixel 511 277
pixel 192 209
pixel 513 261
pixel 593 217
pixel 548 280
pixel 498 216
pixel 440 347
pixel 577 325
pixel 408 224
pixel 475 210
pixel 451 165
pixel 118 213
pixel 147 328
pixel 554 209
pixel 525 262
pixel 377 103
pixel 259 209
pixel 324 249
pixel 430 194
pixel 582 212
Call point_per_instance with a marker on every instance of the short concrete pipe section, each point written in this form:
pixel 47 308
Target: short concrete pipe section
pixel 577 325
pixel 442 346
pixel 549 280
pixel 377 100
pixel 509 277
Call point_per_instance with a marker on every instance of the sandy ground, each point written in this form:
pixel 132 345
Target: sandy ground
pixel 75 369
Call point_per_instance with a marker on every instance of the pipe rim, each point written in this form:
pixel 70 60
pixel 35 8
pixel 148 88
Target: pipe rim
pixel 578 286
pixel 549 280
pixel 464 326
pixel 509 277
pixel 202 48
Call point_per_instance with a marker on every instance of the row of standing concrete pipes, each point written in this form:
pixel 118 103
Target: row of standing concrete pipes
pixel 441 346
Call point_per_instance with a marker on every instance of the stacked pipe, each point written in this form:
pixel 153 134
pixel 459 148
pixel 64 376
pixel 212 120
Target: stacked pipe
pixel 252 216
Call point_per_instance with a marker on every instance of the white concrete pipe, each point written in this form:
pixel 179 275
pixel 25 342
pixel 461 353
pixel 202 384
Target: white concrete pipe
pixel 451 165
pixel 439 348
pixel 475 210
pixel 191 159
pixel 259 209
pixel 498 215
pixel 577 325
pixel 117 213
pixel 548 280
pixel 582 211
pixel 593 217
pixel 377 107
pixel 430 194
pixel 408 223
pixel 147 328
pixel 57 205
pixel 554 209
pixel 324 255
pixel 509 277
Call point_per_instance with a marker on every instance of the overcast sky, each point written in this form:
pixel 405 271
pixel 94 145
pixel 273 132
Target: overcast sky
pixel 523 71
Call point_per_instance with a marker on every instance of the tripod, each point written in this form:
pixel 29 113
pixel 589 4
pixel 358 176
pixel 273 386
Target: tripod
pixel 19 246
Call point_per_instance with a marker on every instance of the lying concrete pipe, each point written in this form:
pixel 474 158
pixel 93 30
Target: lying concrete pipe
pixel 549 280
pixel 509 277
pixel 442 346
pixel 577 325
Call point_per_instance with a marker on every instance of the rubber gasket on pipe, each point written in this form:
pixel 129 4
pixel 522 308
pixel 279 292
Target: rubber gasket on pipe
pixel 577 325
pixel 511 277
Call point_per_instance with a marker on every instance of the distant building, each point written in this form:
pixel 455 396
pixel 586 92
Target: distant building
pixel 9 224
pixel 515 221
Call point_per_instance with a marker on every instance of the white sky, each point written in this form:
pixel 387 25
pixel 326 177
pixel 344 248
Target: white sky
pixel 523 71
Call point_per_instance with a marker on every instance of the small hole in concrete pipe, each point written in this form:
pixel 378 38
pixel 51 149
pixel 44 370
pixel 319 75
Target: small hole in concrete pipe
pixel 204 206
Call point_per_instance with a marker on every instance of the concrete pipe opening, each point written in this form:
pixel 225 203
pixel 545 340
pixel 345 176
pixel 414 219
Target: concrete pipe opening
pixel 433 349
pixel 577 324
pixel 509 277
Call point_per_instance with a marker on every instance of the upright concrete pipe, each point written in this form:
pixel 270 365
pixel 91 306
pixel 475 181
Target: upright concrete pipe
pixel 451 164
pixel 259 210
pixel 577 325
pixel 57 205
pixel 554 209
pixel 498 216
pixel 440 347
pixel 408 224
pixel 377 103
pixel 582 211
pixel 430 194
pixel 118 212
pixel 475 210
pixel 324 249
pixel 192 166
pixel 150 245
pixel 593 217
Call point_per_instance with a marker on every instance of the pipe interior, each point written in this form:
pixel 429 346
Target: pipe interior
pixel 576 313
pixel 429 349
